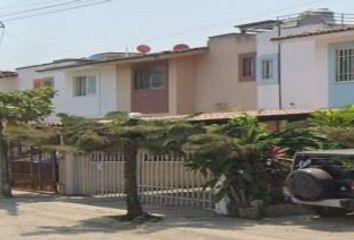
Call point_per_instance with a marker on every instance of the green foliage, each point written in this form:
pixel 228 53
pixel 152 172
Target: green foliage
pixel 336 125
pixel 32 135
pixel 299 136
pixel 239 152
pixel 24 106
pixel 116 131
pixel 17 108
pixel 343 117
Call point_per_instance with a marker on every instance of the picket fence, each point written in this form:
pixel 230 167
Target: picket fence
pixel 162 179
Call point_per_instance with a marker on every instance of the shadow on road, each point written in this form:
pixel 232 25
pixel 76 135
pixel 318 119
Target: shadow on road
pixel 173 217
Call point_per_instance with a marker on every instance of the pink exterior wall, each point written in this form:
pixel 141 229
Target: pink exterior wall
pixel 150 100
pixel 205 82
pixel 218 84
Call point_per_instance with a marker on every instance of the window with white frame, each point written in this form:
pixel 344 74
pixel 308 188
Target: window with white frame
pixel 267 69
pixel 345 65
pixel 84 86
pixel 150 77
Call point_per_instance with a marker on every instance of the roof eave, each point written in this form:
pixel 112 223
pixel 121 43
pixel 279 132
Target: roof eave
pixel 134 59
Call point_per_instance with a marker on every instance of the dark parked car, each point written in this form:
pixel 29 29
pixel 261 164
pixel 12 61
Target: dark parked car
pixel 323 180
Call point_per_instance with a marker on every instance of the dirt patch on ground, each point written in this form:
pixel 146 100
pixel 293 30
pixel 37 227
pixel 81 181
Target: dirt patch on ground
pixel 47 217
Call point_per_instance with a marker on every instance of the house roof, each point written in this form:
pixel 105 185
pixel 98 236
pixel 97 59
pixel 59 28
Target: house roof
pixel 221 117
pixel 7 74
pixel 315 33
pixel 133 59
pixel 224 116
pixel 59 61
pixel 258 26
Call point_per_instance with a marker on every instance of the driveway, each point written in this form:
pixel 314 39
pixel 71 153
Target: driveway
pixel 47 217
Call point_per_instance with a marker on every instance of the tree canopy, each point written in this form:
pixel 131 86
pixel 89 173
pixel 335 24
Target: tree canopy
pixel 16 108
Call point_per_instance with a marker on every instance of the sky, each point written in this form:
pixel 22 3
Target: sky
pixel 121 24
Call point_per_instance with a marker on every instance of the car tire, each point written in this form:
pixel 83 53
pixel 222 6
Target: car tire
pixel 310 184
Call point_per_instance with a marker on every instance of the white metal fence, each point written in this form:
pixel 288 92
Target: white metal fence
pixel 162 179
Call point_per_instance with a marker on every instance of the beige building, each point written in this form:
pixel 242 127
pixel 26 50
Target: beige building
pixel 216 78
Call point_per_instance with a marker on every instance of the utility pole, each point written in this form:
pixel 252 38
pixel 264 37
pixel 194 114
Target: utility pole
pixel 2 27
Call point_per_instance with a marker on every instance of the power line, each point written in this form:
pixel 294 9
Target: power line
pixel 176 34
pixel 41 8
pixel 23 5
pixel 55 11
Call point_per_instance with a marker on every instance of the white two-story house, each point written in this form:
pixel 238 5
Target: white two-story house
pixel 305 60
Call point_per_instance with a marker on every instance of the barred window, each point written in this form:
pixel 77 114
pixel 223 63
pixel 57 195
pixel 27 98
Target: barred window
pixel 150 77
pixel 345 65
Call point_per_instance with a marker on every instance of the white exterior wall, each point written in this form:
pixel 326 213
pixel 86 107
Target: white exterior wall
pixel 303 68
pixel 302 86
pixel 267 94
pixel 104 101
pixel 65 102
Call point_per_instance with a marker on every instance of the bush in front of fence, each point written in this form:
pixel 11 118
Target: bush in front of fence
pixel 248 161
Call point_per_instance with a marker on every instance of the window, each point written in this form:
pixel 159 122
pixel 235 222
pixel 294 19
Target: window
pixel 345 65
pixel 150 77
pixel 267 69
pixel 43 82
pixel 84 86
pixel 48 82
pixel 247 67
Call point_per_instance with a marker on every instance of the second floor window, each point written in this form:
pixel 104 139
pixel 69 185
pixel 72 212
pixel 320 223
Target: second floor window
pixel 84 86
pixel 43 82
pixel 247 63
pixel 267 69
pixel 345 65
pixel 150 77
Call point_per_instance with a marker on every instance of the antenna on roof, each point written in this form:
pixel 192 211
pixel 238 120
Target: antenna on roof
pixel 126 51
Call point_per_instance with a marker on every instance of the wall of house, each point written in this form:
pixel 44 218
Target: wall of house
pixel 301 86
pixel 25 82
pixel 183 84
pixel 124 86
pixel 8 84
pixel 97 105
pixel 301 63
pixel 217 83
pixel 338 94
pixel 65 102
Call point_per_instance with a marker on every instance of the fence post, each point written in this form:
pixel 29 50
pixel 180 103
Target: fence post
pixel 69 183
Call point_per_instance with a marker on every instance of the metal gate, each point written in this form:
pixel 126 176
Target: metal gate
pixel 162 179
pixel 32 169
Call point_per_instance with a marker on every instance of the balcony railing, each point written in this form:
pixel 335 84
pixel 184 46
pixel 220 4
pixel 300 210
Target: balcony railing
pixel 330 18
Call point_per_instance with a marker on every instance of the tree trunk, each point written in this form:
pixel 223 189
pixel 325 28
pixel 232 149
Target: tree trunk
pixel 5 185
pixel 134 207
